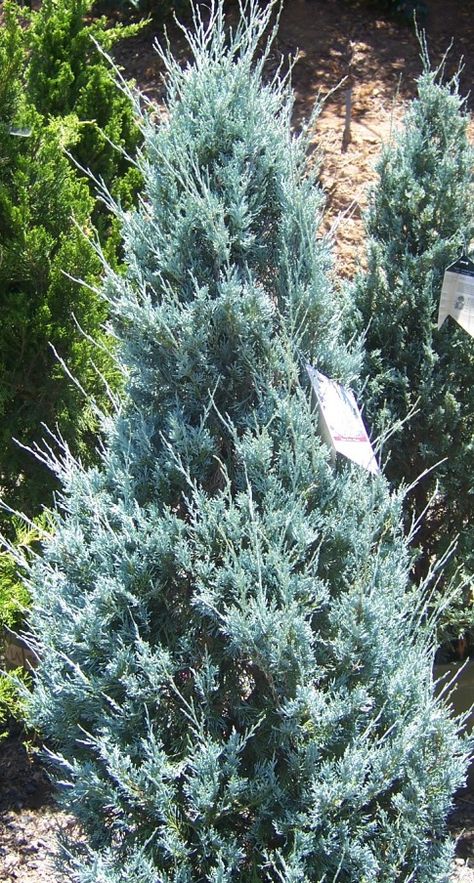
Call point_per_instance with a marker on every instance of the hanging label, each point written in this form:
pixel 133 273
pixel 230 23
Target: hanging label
pixel 457 294
pixel 341 424
pixel 21 133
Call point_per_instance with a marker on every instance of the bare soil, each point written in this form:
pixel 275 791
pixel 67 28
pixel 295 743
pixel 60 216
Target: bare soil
pixel 332 39
pixel 338 42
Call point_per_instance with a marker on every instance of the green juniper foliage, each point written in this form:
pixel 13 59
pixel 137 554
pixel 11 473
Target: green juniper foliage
pixel 233 675
pixel 420 219
pixel 13 592
pixel 45 229
pixel 68 75
pixel 11 703
pixel 14 600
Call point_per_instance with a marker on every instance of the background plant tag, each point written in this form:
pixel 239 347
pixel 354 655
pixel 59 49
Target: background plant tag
pixel 341 424
pixel 457 294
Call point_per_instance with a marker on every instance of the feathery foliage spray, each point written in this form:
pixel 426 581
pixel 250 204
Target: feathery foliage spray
pixel 232 670
pixel 420 219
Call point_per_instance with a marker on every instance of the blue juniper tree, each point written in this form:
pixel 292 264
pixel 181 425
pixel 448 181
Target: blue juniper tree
pixel 233 675
pixel 420 219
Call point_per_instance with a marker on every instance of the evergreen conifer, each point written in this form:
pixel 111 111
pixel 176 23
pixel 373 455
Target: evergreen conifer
pixel 46 214
pixel 68 75
pixel 45 232
pixel 420 219
pixel 233 674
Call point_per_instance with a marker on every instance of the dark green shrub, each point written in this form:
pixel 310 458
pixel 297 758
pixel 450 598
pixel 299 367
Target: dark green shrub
pixel 45 232
pixel 40 241
pixel 14 601
pixel 14 596
pixel 12 706
pixel 407 9
pixel 158 10
pixel 404 10
pixel 56 93
pixel 69 75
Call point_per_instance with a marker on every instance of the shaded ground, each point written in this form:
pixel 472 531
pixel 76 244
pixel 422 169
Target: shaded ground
pixel 334 39
pixel 29 820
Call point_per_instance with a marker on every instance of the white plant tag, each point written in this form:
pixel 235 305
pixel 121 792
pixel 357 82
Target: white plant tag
pixel 340 421
pixel 457 294
pixel 21 133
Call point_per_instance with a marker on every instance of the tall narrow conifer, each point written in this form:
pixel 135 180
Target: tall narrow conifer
pixel 420 219
pixel 232 669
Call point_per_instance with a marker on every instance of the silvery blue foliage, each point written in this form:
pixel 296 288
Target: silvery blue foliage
pixel 420 219
pixel 234 676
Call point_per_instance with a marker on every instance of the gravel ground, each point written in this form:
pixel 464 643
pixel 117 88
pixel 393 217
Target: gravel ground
pixel 462 873
pixel 462 826
pixel 28 845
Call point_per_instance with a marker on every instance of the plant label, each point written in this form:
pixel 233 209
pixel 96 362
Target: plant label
pixel 21 133
pixel 340 421
pixel 457 294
